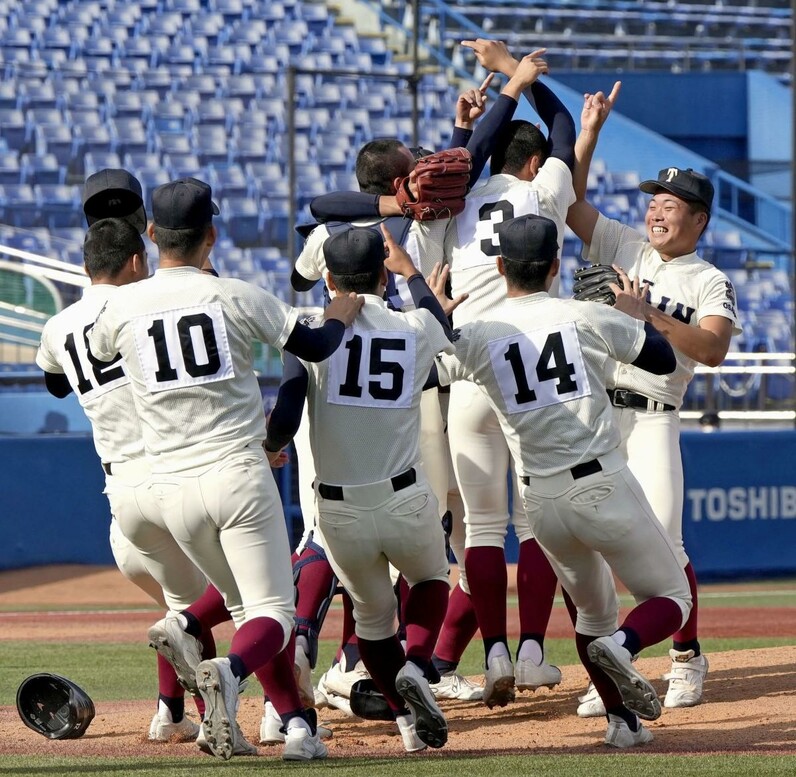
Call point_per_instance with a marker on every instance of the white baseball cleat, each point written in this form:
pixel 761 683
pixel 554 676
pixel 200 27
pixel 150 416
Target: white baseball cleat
pixel 686 679
pixel 303 674
pixel 591 704
pixel 530 677
pixel 242 745
pixel 164 729
pixel 455 686
pixel 301 744
pixel 499 682
pixel 271 727
pixel 179 648
pixel 430 724
pixel 637 693
pixel 219 689
pixel 412 742
pixel 620 735
pixel 334 687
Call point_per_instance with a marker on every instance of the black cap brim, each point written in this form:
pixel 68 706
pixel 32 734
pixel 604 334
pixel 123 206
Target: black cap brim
pixel 653 187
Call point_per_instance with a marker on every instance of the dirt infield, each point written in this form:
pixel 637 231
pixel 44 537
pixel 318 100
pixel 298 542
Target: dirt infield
pixel 751 701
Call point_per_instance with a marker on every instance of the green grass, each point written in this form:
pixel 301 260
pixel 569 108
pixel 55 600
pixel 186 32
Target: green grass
pixel 439 766
pixel 94 666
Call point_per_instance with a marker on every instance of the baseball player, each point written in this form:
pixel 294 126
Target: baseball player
pixel 114 255
pixel 375 507
pixel 540 361
pixel 185 337
pixel 693 305
pixel 380 164
pixel 530 174
pixel 483 479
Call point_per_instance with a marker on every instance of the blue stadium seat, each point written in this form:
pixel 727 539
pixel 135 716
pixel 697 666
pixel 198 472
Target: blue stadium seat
pixel 170 143
pixel 13 128
pixel 18 205
pixel 10 170
pixel 39 96
pixel 182 165
pixel 59 205
pixel 150 179
pixel 230 182
pixel 275 221
pixel 44 168
pixel 99 160
pixel 169 117
pixel 243 220
pixel 142 160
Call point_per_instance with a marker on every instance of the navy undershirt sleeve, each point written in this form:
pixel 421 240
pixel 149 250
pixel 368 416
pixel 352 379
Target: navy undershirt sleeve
pixel 285 418
pixel 656 355
pixel 424 298
pixel 345 206
pixel 482 143
pixel 57 384
pixel 299 282
pixel 559 121
pixel 315 345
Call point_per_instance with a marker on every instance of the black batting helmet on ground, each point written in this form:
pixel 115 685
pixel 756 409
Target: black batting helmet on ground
pixel 54 707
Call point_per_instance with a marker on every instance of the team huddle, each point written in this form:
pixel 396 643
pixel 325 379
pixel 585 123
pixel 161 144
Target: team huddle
pixel 443 363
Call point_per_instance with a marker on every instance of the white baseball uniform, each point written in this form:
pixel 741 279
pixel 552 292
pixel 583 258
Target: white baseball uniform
pixel 186 338
pixel 689 289
pixel 540 362
pixel 143 550
pixel 375 506
pixel 478 448
pixel 425 251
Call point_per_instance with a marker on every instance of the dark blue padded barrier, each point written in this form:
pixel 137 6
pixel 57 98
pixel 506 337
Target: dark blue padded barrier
pixel 739 521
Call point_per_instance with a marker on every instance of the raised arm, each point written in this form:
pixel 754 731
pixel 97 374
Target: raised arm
pixel 315 345
pixel 582 215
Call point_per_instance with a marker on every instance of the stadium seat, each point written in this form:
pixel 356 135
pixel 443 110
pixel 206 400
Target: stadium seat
pixel 44 168
pixel 59 205
pixel 243 220
pixel 13 129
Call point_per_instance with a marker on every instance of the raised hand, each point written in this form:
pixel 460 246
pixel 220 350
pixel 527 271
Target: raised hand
pixel 472 103
pixel 492 55
pixel 437 281
pixel 397 260
pixel 597 107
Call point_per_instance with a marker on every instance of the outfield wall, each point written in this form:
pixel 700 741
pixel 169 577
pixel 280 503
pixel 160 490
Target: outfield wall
pixel 740 505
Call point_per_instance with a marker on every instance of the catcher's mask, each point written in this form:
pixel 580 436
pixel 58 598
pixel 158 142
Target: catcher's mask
pixel 54 707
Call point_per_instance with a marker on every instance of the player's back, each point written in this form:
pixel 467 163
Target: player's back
pixel 471 240
pixel 102 388
pixel 541 361
pixel 187 339
pixel 364 400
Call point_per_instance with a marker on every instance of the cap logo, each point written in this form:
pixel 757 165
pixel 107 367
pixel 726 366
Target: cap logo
pixel 671 173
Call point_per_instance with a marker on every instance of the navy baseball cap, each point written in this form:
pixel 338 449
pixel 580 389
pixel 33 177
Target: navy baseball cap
pixel 686 184
pixel 528 238
pixel 183 204
pixel 353 251
pixel 114 193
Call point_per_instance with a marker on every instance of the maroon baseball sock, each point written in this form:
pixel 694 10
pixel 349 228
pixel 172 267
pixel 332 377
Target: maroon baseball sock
pixel 402 595
pixel 686 638
pixel 536 588
pixel 279 683
pixel 348 653
pixel 254 644
pixel 170 692
pixel 425 611
pixel 458 629
pixel 209 609
pixel 602 682
pixel 488 581
pixel 383 658
pixel 651 622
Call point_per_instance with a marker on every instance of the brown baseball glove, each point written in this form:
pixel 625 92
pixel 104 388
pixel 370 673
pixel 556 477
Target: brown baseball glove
pixel 442 181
